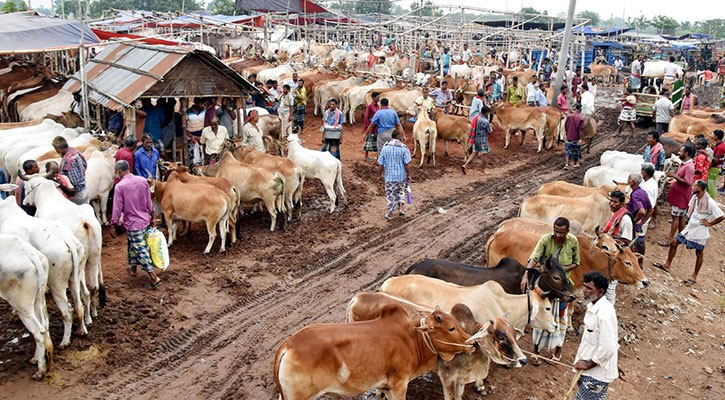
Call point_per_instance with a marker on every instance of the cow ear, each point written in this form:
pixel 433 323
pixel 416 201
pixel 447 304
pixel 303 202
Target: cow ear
pixel 597 232
pixel 639 256
pixel 8 187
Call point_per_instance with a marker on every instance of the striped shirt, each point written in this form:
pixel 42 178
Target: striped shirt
pixel 394 157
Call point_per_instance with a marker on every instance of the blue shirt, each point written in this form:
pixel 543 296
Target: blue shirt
pixel 660 157
pixel 385 119
pixel 142 162
pixel 541 98
pixel 330 117
pixel 393 157
pixel 496 93
pixel 3 179
pixel 446 60
pixel 154 119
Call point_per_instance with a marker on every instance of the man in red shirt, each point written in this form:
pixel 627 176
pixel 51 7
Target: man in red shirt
pixel 716 166
pixel 126 153
pixel 702 160
pixel 573 126
pixel 680 192
pixel 370 138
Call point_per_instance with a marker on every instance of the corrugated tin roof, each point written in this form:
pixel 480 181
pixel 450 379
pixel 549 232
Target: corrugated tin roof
pixel 123 72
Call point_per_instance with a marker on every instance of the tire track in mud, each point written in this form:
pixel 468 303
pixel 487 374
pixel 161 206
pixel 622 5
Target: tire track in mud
pixel 309 294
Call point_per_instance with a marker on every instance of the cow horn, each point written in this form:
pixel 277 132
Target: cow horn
pixel 50 173
pixel 21 175
pixel 148 173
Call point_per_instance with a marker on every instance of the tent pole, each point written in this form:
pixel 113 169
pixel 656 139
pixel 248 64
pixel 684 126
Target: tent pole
pixel 82 62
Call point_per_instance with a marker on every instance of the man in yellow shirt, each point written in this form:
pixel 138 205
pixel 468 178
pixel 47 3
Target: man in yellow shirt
pixel 300 99
pixel 515 92
pixel 426 101
pixel 213 138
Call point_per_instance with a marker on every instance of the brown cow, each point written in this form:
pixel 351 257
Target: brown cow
pixel 48 90
pixel 591 211
pixel 694 125
pixel 606 72
pixel 589 132
pixel 604 255
pixel 497 340
pixel 348 359
pixel 554 124
pixel 452 128
pixel 680 137
pixel 566 189
pixel 294 175
pixel 193 202
pixel 523 75
pixel 520 118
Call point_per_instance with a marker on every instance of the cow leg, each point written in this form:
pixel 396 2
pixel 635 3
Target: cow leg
pixel 449 386
pixel 398 389
pixel 415 146
pixel 445 143
pixel 333 197
pixel 223 224
pixel 211 230
pixel 58 288
pixel 540 139
pixel 508 138
pixel 422 153
pixel 41 336
pixel 459 388
pixel 272 210
pixel 104 207
pixel 523 136
pixel 76 290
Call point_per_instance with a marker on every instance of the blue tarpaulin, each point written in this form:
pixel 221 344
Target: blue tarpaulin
pixel 28 32
pixel 589 31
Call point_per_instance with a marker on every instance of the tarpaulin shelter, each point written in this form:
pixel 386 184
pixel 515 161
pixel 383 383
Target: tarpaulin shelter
pixel 589 31
pixel 105 35
pixel 26 32
pixel 281 6
pixel 544 26
pixel 194 21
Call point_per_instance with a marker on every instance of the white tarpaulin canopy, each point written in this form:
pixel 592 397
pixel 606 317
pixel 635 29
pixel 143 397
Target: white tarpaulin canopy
pixel 28 32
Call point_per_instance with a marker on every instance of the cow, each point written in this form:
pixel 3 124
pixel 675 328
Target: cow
pixel 54 105
pixel 554 124
pixel 523 75
pixel 496 341
pixel 274 73
pixel 521 118
pixel 632 162
pixel 530 225
pixel 331 90
pixel 566 189
pixel 23 280
pixel 591 211
pixel 99 182
pixel 606 72
pixel 679 137
pixel 693 125
pixel 604 255
pixel 602 175
pixel 461 71
pixel 399 100
pixel 182 174
pixel 81 219
pixel 63 251
pixel 487 301
pixel 589 132
pixel 348 359
pixel 425 133
pixel 253 184
pixel 49 89
pixel 452 128
pixel 193 202
pixel 21 145
pixel 551 277
pixel 354 97
pixel 318 165
pixel 294 175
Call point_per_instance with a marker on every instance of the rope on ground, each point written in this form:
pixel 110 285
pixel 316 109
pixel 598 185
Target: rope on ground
pixel 551 360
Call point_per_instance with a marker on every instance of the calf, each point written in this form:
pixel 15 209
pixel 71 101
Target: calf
pixel 348 359
pixel 425 133
pixel 193 202
pixel 318 165
pixel 550 277
pixel 23 279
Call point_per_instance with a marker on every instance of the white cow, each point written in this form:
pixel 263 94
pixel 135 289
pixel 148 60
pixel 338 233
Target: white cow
pixel 63 250
pixel 99 182
pixel 8 142
pixel 632 162
pixel 51 204
pixel 355 97
pixel 12 156
pixel 274 73
pixel 55 105
pixel 40 151
pixel 23 280
pixel 318 165
pixel 604 175
pixel 425 134
pixel 460 71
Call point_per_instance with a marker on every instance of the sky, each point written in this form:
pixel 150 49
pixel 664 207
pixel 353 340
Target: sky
pixel 682 10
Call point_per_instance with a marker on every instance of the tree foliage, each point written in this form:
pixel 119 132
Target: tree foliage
pixel 591 15
pixel 532 10
pixel 11 6
pixel 223 7
pixel 99 6
pixel 373 7
pixel 664 24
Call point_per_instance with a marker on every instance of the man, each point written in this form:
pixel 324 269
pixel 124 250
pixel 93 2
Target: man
pixel 443 96
pixel 300 97
pixel 152 124
pixel 718 157
pixel 640 208
pixel 635 77
pixel 576 80
pixel 385 121
pixel 286 108
pixel 480 129
pixel 332 120
pixel 145 158
pixel 618 64
pixel 73 166
pixel 680 192
pixel 370 141
pixel 64 185
pixel 566 245
pixel 30 167
pixel 293 83
pixel 587 101
pixel 272 98
pixel 654 152
pixel 546 70
pixel 446 61
pixel 592 84
pixel 394 158
pixel 426 101
pixel 226 115
pixel 574 126
pixel 531 92
pixel 515 92
pixel 671 72
pixel 213 138
pixel 132 201
pixel 476 105
pixel 597 354
pixel 689 100
pixel 76 106
pixel 703 213
pixel 126 153
pixel 702 160
pixel 663 110
pixel 650 186
pixel 541 100
pixel 620 227
pixel 562 103
pixel 466 54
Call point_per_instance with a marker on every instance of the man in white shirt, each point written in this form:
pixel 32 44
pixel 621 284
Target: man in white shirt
pixel 703 212
pixel 213 138
pixel 466 54
pixel 587 100
pixel 636 74
pixel 531 92
pixel 593 87
pixel 649 185
pixel 671 72
pixel 597 354
pixel 618 64
pixel 293 83
pixel 663 110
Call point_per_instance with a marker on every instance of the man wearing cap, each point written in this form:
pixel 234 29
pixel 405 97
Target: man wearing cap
pixel 73 166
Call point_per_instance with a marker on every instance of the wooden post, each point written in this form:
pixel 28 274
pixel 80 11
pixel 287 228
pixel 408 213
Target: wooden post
pixel 182 109
pixel 131 121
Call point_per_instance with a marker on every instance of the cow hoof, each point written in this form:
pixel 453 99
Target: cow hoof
pixel 38 376
pixel 33 361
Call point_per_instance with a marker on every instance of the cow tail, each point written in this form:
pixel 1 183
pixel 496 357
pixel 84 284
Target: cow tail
pixel 487 253
pixel 338 180
pixel 76 261
pixel 297 195
pixel 40 308
pixel 96 237
pixel 234 205
pixel 279 197
pixel 277 361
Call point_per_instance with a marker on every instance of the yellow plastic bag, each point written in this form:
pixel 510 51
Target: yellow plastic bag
pixel 158 248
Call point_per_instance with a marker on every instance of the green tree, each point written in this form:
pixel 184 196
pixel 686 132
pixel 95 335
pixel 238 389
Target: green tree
pixel 591 15
pixel 99 6
pixel 223 7
pixel 375 6
pixel 664 24
pixel 430 11
pixel 532 10
pixel 12 6
pixel 714 27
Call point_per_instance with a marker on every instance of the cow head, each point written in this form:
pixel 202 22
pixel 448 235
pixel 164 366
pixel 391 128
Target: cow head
pixel 445 335
pixel 551 278
pixel 33 183
pixel 497 338
pixel 540 311
pixel 622 262
pixel 294 138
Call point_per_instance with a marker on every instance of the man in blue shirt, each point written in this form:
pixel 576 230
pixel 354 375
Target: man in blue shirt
pixel 541 95
pixel 385 121
pixel 153 122
pixel 394 158
pixel 446 61
pixel 145 158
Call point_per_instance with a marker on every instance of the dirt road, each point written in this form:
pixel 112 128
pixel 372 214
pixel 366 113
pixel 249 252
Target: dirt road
pixel 211 331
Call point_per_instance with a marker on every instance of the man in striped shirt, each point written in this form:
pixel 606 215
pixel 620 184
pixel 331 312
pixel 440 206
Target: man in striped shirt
pixel 394 158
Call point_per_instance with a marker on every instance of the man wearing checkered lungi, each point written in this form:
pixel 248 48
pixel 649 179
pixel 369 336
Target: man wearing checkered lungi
pixel 132 201
pixel 300 101
pixel 597 354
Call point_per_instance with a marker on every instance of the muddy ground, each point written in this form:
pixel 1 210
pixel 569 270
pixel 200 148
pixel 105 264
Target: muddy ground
pixel 210 331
